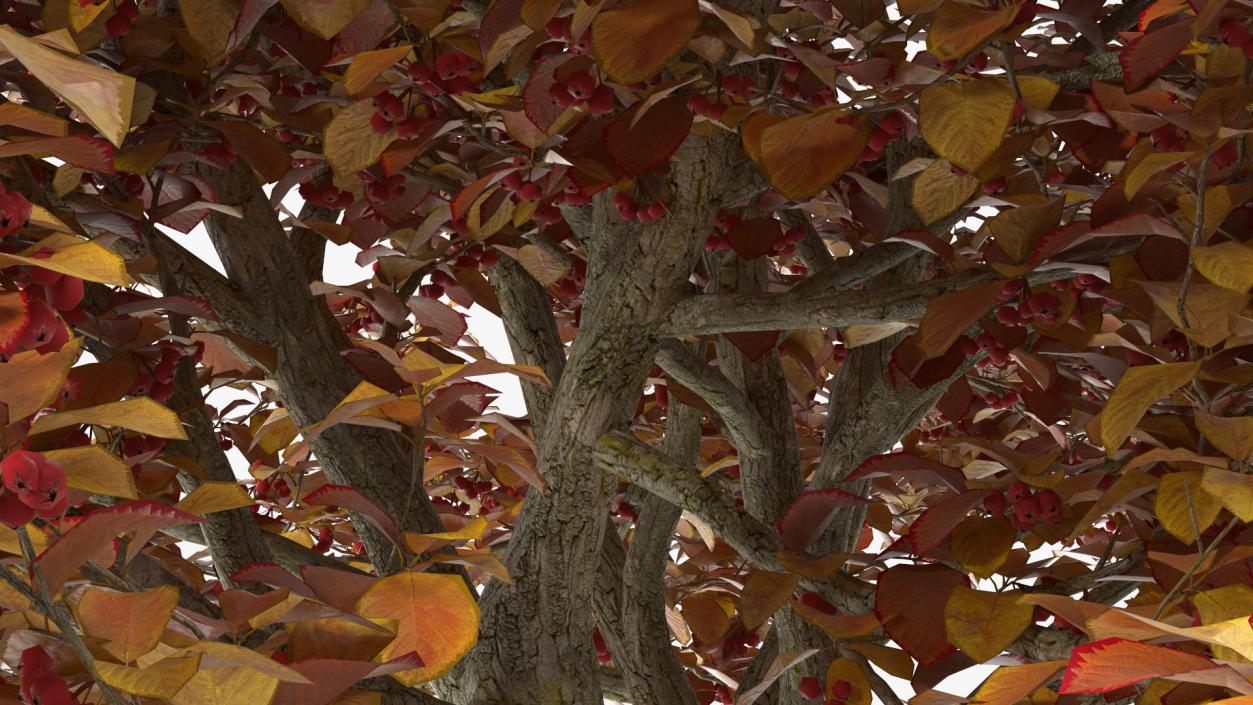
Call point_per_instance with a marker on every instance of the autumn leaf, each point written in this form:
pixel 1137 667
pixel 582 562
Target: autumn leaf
pixel 1183 507
pixel 982 544
pixel 89 261
pixel 1139 389
pixel 1227 264
pixel 635 39
pixel 130 624
pixel 142 415
pixel 1018 230
pixel 102 96
pixel 849 672
pixel 436 617
pixel 161 680
pixel 1110 664
pixel 1233 489
pixel 983 624
pixel 949 316
pixel 764 593
pixel 957 28
pixel 212 497
pixel 366 66
pixel 643 137
pixel 1009 685
pixel 94 469
pixel 31 380
pixel 965 122
pixel 910 601
pixel 810 514
pixel 802 155
pixel 227 686
pixel 210 23
pixel 350 143
pixel 937 191
pixel 324 18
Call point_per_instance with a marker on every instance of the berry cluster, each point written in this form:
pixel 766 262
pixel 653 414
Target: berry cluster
pixel 561 29
pixel 36 488
pixel 628 209
pixel 581 88
pixel 451 72
pixel 888 129
pixel 1029 508
pixel 46 294
pixel 811 689
pixel 154 374
pixel 390 112
pixel 327 196
pixel 701 105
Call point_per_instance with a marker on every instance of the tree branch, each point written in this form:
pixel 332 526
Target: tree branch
pixel 527 315
pixel 742 424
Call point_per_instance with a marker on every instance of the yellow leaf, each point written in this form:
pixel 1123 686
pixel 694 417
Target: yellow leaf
pixel 94 469
pixel 367 65
pixel 217 654
pixel 1010 685
pixel 215 497
pixel 89 261
pixel 1233 436
pixel 1037 92
pixel 965 122
pixel 82 16
pixel 129 623
pixel 851 672
pixel 981 544
pixel 1137 390
pixel 325 18
pixel 1229 264
pixel 28 118
pixel 142 415
pixel 635 39
pixel 764 593
pixel 938 191
pixel 802 155
pixel 546 268
pixel 162 680
pixel 421 543
pixel 1209 307
pixel 1233 489
pixel 227 686
pixel 436 616
pixel 210 23
pixel 958 29
pixel 102 96
pixel 983 624
pixel 1222 604
pixel 1150 166
pixel 350 144
pixel 1183 507
pixel 30 380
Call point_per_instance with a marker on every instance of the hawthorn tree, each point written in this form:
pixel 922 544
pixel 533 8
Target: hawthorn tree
pixel 856 339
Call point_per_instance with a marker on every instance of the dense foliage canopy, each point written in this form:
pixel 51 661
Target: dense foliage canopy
pixel 861 343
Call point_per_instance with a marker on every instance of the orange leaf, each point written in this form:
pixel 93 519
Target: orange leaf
pixel 951 314
pixel 909 602
pixel 707 617
pixel 801 156
pixel 958 29
pixel 14 317
pixel 367 65
pixel 436 617
pixel 62 559
pixel 764 593
pixel 634 40
pixel 29 381
pixel 1013 684
pixel 1110 664
pixel 263 152
pixel 129 623
pixel 850 672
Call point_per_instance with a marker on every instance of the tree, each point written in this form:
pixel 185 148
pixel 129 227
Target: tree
pixel 855 339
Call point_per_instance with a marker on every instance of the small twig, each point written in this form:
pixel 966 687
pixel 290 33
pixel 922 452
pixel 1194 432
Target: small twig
pixel 1174 592
pixel 60 615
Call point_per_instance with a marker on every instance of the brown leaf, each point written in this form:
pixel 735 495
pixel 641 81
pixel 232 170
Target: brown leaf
pixel 965 122
pixel 909 602
pixel 958 29
pixel 801 156
pixel 948 316
pixel 324 18
pixel 635 39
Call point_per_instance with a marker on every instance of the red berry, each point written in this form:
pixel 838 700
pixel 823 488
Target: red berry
pixel 546 215
pixel 995 504
pixel 117 25
pixel 602 102
pixel 1028 510
pixel 581 85
pixel 1018 492
pixel 994 185
pixel 841 689
pixel 699 103
pixel 811 688
pixel 1050 505
pixel 530 192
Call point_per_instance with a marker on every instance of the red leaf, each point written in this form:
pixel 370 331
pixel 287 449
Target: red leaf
pixel 754 344
pixel 60 560
pixel 536 103
pixel 1110 664
pixel 439 317
pixel 753 238
pixel 909 602
pixel 271 574
pixel 907 463
pixel 90 153
pixel 809 515
pixel 14 317
pixel 352 500
pixel 949 316
pixel 338 588
pixel 639 145
pixel 187 305
pixel 1150 53
pixel 936 523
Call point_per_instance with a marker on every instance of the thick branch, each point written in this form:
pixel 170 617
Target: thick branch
pixel 527 315
pixel 742 424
